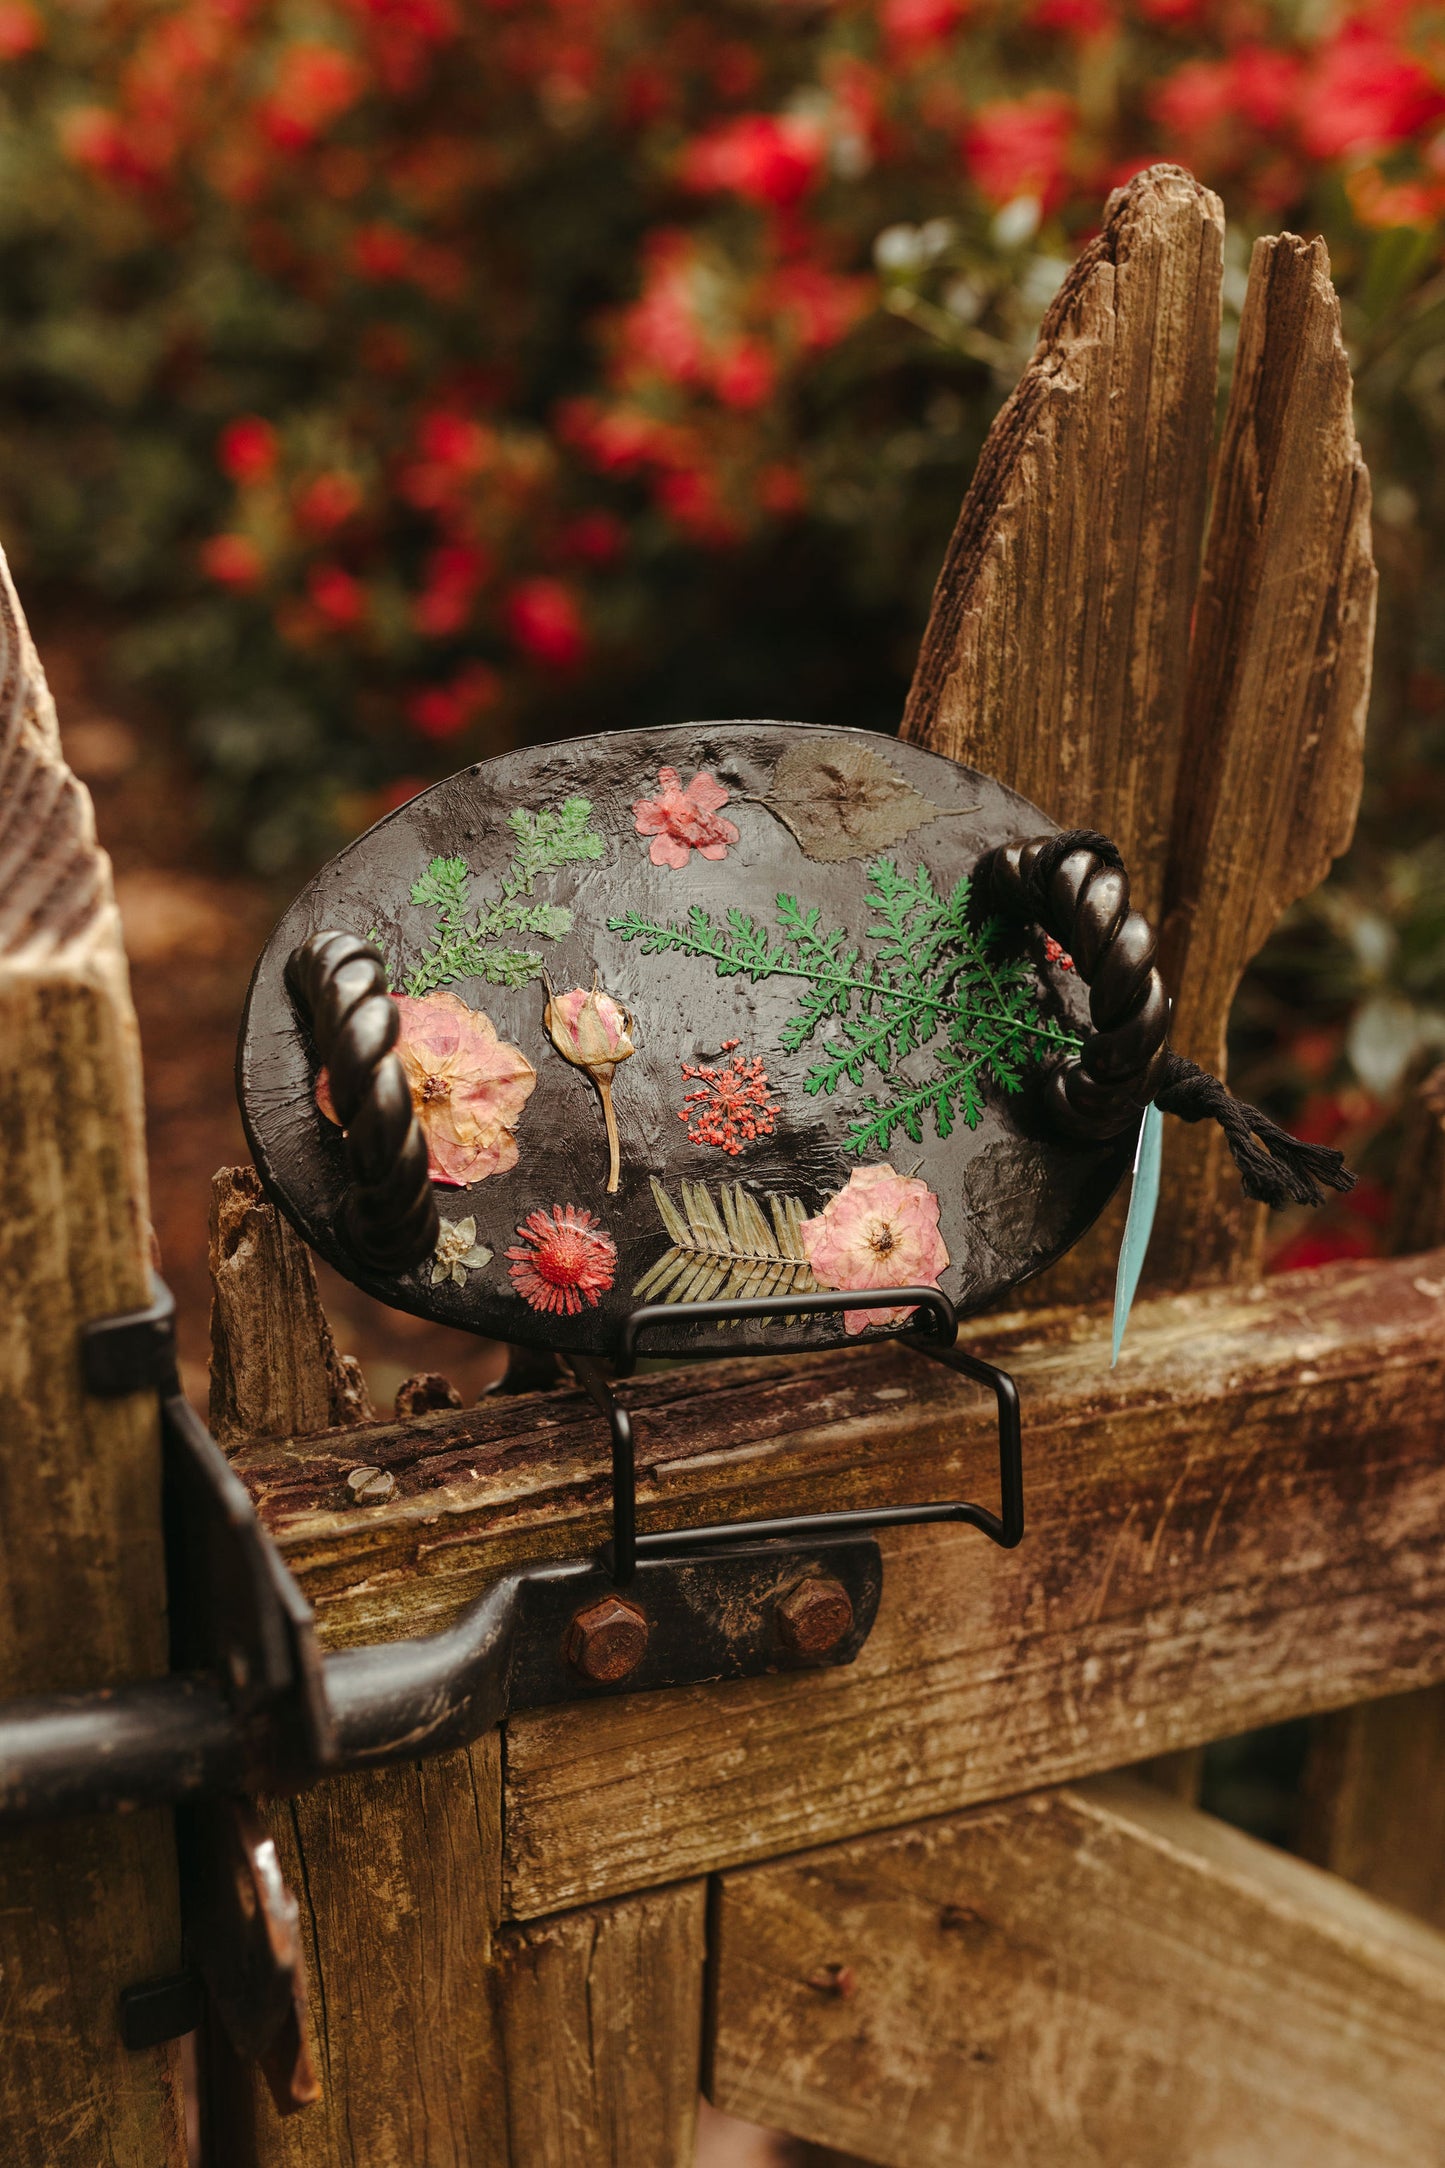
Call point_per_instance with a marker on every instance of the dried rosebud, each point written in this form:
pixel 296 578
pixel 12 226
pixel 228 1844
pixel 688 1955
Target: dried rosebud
pixel 589 1029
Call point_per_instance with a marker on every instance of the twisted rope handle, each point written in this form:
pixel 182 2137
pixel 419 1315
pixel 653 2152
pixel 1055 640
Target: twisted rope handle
pixel 1074 885
pixel 338 984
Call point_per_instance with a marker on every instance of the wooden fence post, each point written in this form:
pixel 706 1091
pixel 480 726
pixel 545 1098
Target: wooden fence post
pixel 1278 682
pixel 87 1907
pixel 1057 649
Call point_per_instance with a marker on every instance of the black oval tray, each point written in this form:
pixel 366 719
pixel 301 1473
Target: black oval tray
pixel 487 869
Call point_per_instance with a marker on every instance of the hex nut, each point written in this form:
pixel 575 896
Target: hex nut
pixel 606 1640
pixel 814 1616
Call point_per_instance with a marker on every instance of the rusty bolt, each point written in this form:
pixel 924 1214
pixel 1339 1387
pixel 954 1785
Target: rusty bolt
pixel 605 1641
pixel 814 1616
pixel 370 1486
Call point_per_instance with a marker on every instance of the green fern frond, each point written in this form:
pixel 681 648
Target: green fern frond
pixel 467 947
pixel 929 978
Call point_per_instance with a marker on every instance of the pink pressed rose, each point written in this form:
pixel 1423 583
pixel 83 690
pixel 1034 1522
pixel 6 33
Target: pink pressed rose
pixel 565 1259
pixel 468 1087
pixel 590 1030
pixel 681 820
pixel 881 1231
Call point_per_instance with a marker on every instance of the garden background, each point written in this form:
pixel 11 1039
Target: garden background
pixel 384 383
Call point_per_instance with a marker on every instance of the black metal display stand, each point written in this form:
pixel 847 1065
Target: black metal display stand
pixel 1005 1527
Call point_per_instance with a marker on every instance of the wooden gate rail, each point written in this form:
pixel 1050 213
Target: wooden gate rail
pixel 1244 1521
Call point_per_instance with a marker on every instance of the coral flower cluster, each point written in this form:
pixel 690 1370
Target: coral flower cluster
pixel 730 1106
pixel 880 1231
pixel 468 1087
pixel 681 821
pixel 562 1261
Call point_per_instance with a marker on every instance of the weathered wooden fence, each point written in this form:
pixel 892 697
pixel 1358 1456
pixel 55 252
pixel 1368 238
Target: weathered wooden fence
pixel 901 1908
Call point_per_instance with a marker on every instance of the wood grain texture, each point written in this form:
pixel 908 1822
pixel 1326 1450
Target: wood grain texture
pixel 602 2020
pixel 1374 1790
pixel 1056 651
pixel 274 1365
pixel 1278 685
pixel 1076 1977
pixel 1242 1522
pixel 397 1873
pixel 1374 1799
pixel 89 1907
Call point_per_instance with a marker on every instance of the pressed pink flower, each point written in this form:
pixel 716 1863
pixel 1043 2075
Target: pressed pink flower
pixel 680 821
pixel 589 1029
pixel 881 1231
pixel 565 1259
pixel 468 1087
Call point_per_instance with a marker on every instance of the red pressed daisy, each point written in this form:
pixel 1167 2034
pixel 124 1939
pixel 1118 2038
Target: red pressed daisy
pixel 565 1259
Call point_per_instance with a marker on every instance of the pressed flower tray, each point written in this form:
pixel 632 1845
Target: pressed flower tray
pixel 834 1076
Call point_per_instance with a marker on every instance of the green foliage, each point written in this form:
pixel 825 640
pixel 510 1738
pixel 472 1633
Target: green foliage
pixel 931 980
pixel 466 946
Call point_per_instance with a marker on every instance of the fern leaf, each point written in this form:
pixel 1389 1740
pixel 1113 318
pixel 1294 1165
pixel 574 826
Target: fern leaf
pixel 727 1246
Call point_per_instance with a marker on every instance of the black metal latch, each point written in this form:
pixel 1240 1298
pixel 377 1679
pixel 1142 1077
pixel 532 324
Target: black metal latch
pixel 251 1705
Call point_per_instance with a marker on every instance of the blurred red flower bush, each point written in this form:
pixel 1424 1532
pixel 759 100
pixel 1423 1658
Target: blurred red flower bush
pixel 415 376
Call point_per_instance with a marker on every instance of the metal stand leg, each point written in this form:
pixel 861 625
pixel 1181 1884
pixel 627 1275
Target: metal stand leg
pixel 1004 1528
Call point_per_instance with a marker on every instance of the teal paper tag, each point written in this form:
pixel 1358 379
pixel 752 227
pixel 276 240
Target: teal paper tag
pixel 1143 1199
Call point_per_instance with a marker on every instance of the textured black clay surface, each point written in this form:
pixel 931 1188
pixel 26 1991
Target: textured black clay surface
pixel 1012 1197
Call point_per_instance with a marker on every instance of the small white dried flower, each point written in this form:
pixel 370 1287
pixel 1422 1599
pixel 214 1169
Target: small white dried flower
pixel 458 1252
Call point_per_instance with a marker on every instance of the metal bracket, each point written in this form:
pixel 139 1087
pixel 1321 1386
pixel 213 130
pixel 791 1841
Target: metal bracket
pixel 1005 1527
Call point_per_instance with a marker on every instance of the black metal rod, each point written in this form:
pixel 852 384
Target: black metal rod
pixel 131 1746
pixel 1004 1528
pixel 624 1467
pixel 827 1303
pixel 400 1699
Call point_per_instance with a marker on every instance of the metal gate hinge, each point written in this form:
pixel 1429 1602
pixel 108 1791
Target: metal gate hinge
pixel 132 1351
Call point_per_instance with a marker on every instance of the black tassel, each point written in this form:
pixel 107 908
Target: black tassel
pixel 1276 1170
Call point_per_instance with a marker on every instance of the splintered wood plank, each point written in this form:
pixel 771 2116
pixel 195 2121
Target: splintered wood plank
pixel 1076 1977
pixel 602 2020
pixel 1056 652
pixel 88 1907
pixel 397 1873
pixel 1240 1523
pixel 1279 680
pixel 274 1366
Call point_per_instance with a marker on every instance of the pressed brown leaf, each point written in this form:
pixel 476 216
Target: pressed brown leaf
pixel 841 799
